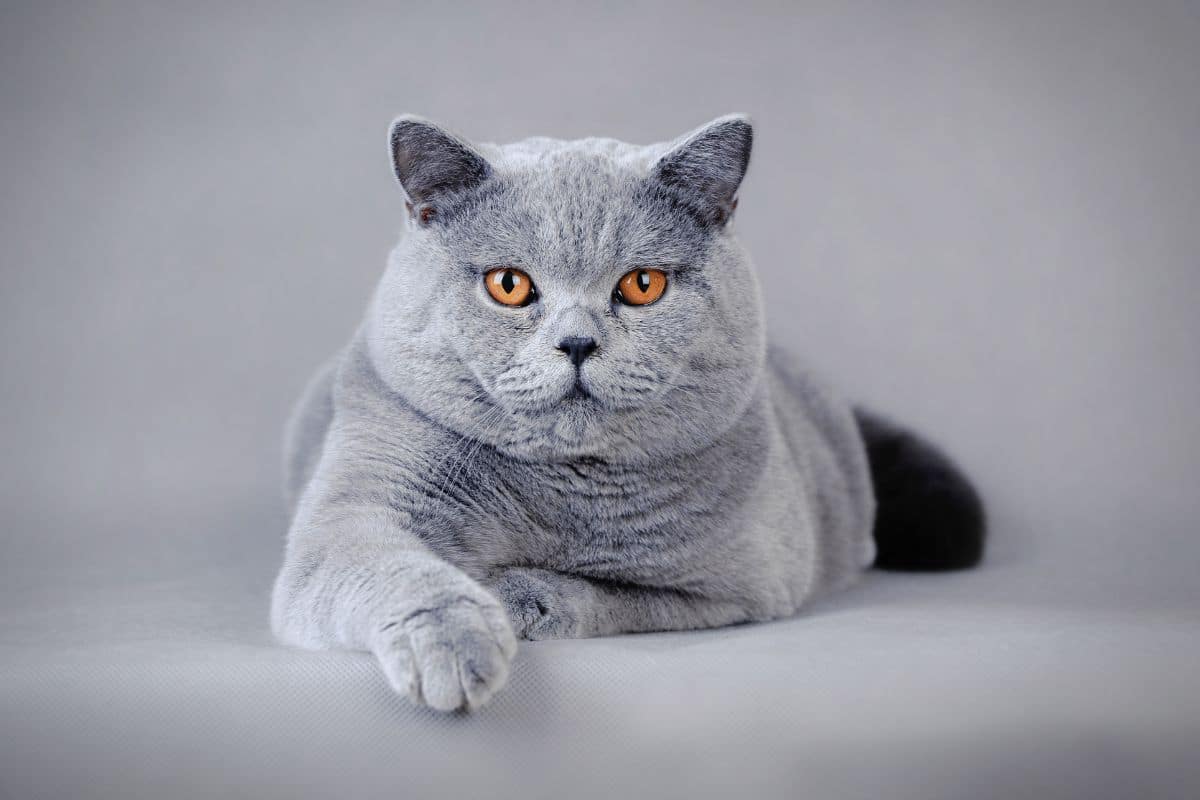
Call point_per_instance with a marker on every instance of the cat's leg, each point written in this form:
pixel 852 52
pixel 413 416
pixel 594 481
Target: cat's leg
pixel 355 578
pixel 551 605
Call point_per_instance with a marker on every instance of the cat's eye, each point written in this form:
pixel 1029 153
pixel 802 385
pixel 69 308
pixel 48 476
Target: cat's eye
pixel 509 286
pixel 641 287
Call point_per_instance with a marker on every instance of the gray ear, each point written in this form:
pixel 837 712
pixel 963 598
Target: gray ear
pixel 432 163
pixel 708 164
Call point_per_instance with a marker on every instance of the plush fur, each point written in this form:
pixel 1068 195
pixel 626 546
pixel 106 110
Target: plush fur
pixel 459 481
pixel 929 516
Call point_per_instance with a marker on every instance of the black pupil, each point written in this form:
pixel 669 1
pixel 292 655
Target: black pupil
pixel 507 281
pixel 643 281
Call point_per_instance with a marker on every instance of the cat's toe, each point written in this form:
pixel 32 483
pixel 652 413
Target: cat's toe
pixel 535 606
pixel 396 660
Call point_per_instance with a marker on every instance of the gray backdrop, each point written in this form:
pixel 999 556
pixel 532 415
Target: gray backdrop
pixel 982 218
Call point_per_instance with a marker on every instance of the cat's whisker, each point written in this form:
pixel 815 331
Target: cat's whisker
pixel 486 420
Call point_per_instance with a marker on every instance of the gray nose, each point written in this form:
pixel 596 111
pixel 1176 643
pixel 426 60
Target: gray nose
pixel 577 348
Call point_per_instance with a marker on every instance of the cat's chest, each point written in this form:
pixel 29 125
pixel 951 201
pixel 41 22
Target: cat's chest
pixel 594 499
pixel 619 522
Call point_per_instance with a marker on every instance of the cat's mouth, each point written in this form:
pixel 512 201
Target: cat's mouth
pixel 575 392
pixel 578 391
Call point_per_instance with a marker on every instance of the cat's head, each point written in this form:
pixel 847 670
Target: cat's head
pixel 561 299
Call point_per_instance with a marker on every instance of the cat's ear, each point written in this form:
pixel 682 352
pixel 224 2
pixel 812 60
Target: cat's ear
pixel 708 165
pixel 432 163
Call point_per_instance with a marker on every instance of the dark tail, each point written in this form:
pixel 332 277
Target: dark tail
pixel 928 516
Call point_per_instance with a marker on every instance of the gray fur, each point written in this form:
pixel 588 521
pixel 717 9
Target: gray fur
pixel 451 491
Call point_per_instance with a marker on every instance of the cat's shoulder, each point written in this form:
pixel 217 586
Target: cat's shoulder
pixel 789 372
pixel 368 411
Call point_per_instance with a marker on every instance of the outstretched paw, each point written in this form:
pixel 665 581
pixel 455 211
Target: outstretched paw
pixel 541 604
pixel 449 655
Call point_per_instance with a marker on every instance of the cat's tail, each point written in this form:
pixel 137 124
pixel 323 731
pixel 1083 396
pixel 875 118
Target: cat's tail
pixel 928 515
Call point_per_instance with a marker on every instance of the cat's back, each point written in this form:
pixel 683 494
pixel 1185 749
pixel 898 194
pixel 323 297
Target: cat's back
pixel 304 432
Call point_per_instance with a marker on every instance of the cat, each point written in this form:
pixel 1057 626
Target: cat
pixel 561 418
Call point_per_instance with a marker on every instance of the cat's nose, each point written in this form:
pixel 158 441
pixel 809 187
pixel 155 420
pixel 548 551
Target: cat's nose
pixel 577 348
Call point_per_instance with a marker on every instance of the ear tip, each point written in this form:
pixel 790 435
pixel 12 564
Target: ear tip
pixel 407 121
pixel 738 121
pixel 735 128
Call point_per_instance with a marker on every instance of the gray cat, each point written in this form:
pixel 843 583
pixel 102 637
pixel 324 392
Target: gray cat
pixel 561 418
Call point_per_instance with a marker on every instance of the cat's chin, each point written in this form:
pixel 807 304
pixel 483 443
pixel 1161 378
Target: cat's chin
pixel 580 422
pixel 577 418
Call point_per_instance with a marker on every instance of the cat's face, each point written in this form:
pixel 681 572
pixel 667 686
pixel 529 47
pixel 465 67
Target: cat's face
pixel 568 299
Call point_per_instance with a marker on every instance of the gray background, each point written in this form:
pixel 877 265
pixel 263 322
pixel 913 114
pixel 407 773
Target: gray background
pixel 982 218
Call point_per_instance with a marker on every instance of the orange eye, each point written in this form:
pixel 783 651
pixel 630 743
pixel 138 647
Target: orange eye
pixel 511 287
pixel 641 287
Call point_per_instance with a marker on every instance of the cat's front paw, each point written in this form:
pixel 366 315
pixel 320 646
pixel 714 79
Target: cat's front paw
pixel 450 654
pixel 541 604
